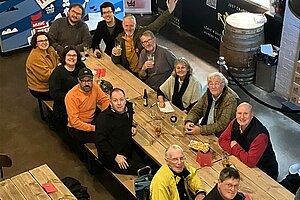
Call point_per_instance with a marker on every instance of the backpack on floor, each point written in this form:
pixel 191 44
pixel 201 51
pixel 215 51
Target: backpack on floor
pixel 142 183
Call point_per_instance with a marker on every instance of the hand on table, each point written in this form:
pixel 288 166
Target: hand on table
pixel 191 128
pixel 121 160
pixel 161 104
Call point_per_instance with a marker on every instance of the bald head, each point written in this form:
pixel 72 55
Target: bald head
pixel 244 114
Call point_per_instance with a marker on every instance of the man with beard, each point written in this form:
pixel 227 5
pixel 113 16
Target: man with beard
pixel 71 30
pixel 108 29
pixel 249 140
pixel 81 104
pixel 156 62
pixel 227 186
pixel 128 46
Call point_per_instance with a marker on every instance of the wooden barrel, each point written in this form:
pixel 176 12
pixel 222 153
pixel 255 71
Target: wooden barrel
pixel 241 38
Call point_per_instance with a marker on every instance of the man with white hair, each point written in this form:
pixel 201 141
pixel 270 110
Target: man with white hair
pixel 249 140
pixel 127 54
pixel 176 180
pixel 216 108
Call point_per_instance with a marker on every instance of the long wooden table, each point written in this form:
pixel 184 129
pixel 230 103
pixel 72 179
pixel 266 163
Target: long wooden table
pixel 28 186
pixel 253 181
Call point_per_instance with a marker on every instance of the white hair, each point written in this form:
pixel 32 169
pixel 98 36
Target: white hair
pixel 222 77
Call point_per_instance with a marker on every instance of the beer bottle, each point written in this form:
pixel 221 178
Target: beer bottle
pixel 145 98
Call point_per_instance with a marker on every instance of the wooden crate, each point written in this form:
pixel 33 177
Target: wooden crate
pixel 295 99
pixel 295 89
pixel 297 78
pixel 297 67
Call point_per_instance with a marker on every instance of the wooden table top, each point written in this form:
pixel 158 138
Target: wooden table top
pixel 28 186
pixel 253 181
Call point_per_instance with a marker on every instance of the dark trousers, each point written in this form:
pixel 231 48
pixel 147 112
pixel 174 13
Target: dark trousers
pixel 41 95
pixel 83 136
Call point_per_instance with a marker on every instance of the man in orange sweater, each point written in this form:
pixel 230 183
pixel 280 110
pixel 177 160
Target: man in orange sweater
pixel 81 103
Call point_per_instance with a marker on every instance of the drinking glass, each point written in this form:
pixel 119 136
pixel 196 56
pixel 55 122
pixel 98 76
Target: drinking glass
pixel 158 127
pixel 119 48
pixel 86 50
pixel 150 57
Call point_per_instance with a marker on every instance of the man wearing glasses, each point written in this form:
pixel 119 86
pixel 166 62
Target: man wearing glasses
pixel 176 180
pixel 108 29
pixel 216 108
pixel 227 186
pixel 81 104
pixel 71 30
pixel 128 46
pixel 156 62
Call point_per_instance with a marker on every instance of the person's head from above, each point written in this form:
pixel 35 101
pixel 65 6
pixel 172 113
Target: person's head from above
pixel 175 158
pixel 216 82
pixel 244 114
pixel 75 13
pixel 85 79
pixel 107 11
pixel 182 68
pixel 118 100
pixel 40 40
pixel 148 41
pixel 69 56
pixel 106 87
pixel 129 24
pixel 228 183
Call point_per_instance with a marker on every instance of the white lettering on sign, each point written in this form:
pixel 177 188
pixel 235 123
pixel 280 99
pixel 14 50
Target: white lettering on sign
pixel 44 3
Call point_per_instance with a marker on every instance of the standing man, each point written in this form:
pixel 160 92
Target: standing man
pixel 71 30
pixel 127 54
pixel 108 29
pixel 81 103
pixel 227 186
pixel 156 63
pixel 216 108
pixel 249 140
pixel 176 180
pixel 115 129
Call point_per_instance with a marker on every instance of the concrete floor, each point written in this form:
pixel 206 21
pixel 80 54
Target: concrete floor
pixel 30 143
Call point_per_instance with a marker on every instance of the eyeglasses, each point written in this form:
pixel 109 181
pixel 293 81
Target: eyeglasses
pixel 175 160
pixel 216 84
pixel 230 186
pixel 86 81
pixel 107 12
pixel 71 55
pixel 76 13
pixel 147 41
pixel 41 41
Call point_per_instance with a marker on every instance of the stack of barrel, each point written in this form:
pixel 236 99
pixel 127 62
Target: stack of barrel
pixel 242 36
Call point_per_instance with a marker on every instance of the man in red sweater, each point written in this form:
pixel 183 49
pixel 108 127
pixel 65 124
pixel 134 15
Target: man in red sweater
pixel 249 140
pixel 81 103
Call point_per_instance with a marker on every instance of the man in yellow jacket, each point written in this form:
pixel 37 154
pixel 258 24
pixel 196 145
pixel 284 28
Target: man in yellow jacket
pixel 176 180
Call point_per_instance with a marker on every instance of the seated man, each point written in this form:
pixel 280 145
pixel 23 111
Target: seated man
pixel 70 30
pixel 176 179
pixel 249 140
pixel 227 186
pixel 130 47
pixel 216 108
pixel 157 69
pixel 115 130
pixel 81 103
pixel 108 29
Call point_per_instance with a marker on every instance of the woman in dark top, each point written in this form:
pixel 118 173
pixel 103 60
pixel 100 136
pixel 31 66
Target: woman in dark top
pixel 63 78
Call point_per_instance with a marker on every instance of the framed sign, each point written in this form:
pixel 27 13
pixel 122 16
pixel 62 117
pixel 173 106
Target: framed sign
pixel 137 6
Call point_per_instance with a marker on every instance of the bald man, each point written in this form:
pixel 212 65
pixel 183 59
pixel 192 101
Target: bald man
pixel 249 140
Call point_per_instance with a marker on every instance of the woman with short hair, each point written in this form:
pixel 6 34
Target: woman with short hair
pixel 40 63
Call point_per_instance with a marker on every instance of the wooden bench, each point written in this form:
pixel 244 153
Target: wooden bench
pixel 126 180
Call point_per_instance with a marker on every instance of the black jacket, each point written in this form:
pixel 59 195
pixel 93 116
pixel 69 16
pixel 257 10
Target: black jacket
pixel 102 32
pixel 215 195
pixel 114 131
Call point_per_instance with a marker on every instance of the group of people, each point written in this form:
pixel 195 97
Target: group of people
pixel 55 71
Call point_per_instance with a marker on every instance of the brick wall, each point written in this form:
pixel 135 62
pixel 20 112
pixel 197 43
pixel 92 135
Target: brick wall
pixel 289 52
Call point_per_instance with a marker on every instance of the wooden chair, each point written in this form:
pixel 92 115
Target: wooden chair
pixel 5 161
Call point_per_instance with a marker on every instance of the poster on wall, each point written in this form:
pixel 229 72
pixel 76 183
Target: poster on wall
pixel 137 6
pixel 20 19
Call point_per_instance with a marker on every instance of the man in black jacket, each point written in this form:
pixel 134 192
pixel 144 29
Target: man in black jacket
pixel 227 186
pixel 115 129
pixel 107 29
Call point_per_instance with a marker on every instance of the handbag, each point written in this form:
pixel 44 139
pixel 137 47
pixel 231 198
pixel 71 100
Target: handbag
pixel 142 183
